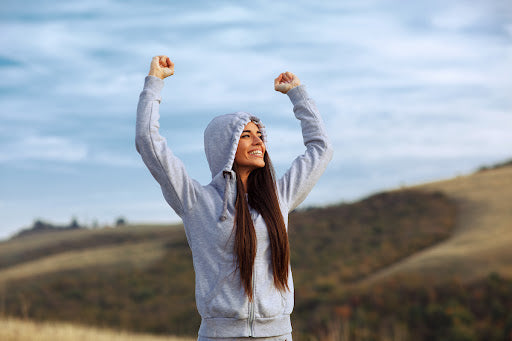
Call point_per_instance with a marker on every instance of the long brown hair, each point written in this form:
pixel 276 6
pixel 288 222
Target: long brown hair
pixel 262 196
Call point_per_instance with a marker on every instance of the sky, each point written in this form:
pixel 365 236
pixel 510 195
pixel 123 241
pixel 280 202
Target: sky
pixel 410 92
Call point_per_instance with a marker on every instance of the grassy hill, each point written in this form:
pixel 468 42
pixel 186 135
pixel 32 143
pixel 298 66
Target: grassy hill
pixel 48 252
pixel 397 265
pixel 482 239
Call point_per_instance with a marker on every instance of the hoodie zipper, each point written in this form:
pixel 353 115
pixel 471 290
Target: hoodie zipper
pixel 251 307
pixel 253 279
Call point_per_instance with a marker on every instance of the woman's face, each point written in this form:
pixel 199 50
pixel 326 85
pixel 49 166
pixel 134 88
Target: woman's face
pixel 250 151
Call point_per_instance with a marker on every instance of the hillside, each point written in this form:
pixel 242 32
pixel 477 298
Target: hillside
pixel 437 251
pixel 119 277
pixel 38 254
pixel 482 239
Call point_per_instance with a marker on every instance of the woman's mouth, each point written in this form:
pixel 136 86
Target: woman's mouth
pixel 256 153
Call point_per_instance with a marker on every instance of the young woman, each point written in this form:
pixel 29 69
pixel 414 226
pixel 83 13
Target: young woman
pixel 236 226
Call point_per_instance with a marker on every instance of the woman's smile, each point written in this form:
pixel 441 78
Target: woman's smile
pixel 257 153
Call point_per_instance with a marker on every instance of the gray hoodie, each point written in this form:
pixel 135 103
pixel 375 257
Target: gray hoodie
pixel 207 213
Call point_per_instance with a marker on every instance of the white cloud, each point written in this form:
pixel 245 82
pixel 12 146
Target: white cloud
pixel 46 148
pixel 109 158
pixel 459 17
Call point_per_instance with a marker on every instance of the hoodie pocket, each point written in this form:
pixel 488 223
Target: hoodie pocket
pixel 270 301
pixel 227 298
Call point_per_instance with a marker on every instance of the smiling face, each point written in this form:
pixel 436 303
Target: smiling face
pixel 250 151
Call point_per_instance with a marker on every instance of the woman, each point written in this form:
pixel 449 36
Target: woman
pixel 236 226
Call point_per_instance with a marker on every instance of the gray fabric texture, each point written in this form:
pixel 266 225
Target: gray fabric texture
pixel 220 298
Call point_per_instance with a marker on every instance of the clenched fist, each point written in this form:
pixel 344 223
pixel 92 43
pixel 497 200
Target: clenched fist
pixel 161 67
pixel 286 81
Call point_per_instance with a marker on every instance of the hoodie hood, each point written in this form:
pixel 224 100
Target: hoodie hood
pixel 221 139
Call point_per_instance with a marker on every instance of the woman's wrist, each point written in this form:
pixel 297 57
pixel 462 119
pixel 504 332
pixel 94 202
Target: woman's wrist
pixel 155 74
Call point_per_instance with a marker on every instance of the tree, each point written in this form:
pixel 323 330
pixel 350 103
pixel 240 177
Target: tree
pixel 74 224
pixel 120 221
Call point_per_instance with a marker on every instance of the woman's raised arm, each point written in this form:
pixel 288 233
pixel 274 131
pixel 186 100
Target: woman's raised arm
pixel 307 168
pixel 178 189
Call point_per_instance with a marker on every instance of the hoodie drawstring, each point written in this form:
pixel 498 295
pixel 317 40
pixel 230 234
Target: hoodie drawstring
pixel 224 214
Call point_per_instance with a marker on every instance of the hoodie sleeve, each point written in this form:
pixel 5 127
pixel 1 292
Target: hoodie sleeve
pixel 307 168
pixel 178 189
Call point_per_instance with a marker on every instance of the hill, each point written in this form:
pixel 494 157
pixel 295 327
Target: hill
pixel 396 263
pixel 481 241
pixel 36 254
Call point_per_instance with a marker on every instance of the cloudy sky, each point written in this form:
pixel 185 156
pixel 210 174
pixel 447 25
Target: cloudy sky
pixel 410 92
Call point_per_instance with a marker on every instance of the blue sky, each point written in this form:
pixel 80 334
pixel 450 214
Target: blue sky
pixel 410 92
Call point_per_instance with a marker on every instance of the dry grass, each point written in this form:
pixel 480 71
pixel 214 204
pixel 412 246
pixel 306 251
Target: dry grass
pixel 51 239
pixel 21 330
pixel 134 254
pixel 482 241
pixel 136 246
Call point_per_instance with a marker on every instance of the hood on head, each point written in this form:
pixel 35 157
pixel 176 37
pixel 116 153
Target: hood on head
pixel 221 139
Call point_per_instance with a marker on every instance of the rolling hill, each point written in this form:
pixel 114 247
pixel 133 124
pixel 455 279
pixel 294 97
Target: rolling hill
pixel 43 253
pixel 481 242
pixel 419 256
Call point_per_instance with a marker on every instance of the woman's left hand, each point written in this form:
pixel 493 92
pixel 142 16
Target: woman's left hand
pixel 285 82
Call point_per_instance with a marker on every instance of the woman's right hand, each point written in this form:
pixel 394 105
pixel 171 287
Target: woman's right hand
pixel 161 67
